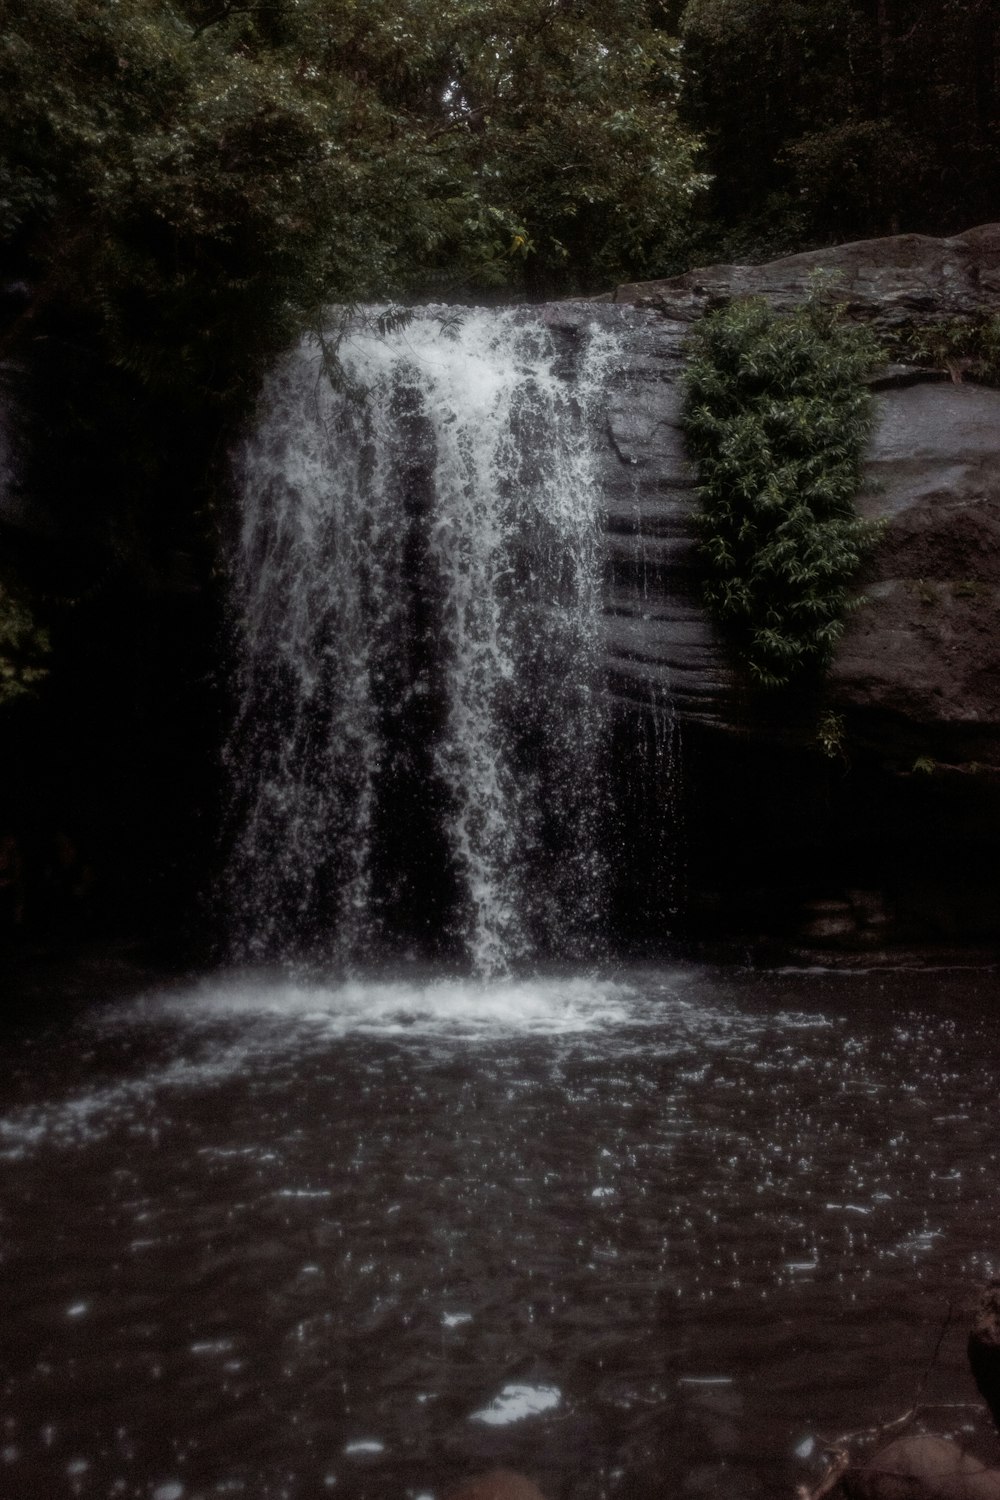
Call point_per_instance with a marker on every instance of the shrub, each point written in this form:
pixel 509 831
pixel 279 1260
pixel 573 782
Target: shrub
pixel 962 346
pixel 776 417
pixel 24 647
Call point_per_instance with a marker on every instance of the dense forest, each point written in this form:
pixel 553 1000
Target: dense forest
pixel 184 188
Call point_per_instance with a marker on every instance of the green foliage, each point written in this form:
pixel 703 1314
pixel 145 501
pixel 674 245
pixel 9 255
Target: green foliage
pixel 832 120
pixel 831 731
pixel 776 418
pixel 198 181
pixel 962 346
pixel 186 186
pixel 24 647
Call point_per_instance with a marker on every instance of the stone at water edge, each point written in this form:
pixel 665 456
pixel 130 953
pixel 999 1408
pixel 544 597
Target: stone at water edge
pixel 921 1468
pixel 499 1484
pixel 984 1348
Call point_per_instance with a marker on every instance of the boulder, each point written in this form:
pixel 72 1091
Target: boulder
pixel 900 279
pixel 499 1484
pixel 922 1468
pixel 924 647
pixel 984 1348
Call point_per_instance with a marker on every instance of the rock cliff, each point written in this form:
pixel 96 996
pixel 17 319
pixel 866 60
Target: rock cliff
pixel 915 685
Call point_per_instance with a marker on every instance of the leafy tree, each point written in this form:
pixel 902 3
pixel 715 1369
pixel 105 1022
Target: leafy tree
pixel 196 181
pixel 186 185
pixel 833 119
pixel 776 418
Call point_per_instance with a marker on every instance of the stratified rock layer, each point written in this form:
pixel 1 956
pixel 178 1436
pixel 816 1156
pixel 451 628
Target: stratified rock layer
pixel 922 653
pixel 903 818
pixel 904 278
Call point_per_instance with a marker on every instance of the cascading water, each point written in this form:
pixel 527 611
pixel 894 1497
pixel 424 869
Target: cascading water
pixel 417 749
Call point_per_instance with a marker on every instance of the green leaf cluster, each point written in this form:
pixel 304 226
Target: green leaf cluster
pixel 776 418
pixel 963 346
pixel 24 646
pixel 196 180
pixel 831 120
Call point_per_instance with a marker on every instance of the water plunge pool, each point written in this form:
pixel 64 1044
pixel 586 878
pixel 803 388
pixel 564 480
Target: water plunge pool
pixel 641 1233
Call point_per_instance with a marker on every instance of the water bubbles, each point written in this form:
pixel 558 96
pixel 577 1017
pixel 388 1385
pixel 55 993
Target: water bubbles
pixel 515 1402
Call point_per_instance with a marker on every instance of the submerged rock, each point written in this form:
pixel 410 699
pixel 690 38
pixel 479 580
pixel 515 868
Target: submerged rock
pixel 922 1468
pixel 984 1349
pixel 499 1484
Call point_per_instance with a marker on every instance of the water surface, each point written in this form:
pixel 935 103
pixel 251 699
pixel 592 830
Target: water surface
pixel 637 1234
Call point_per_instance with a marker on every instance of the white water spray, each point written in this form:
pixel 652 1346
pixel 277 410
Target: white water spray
pixel 420 727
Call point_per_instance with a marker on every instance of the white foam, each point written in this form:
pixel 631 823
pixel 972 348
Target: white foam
pixel 515 1402
pixel 458 1009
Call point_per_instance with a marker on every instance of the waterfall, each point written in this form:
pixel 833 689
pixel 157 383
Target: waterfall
pixel 416 757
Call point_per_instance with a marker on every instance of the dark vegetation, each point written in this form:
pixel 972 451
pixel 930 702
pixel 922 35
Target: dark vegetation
pixel 777 415
pixel 184 187
pixel 833 120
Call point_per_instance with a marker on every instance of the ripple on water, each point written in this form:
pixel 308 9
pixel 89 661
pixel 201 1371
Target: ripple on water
pixel 368 1237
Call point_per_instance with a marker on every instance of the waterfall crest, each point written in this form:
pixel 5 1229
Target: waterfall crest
pixel 417 750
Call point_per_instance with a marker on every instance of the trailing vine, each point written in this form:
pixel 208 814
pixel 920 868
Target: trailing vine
pixel 776 417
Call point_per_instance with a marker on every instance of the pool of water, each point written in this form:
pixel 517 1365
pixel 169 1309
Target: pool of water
pixel 638 1233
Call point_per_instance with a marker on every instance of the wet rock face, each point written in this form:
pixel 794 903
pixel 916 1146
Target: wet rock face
pixel 921 657
pixel 659 641
pixel 925 646
pixel 888 281
pixel 910 811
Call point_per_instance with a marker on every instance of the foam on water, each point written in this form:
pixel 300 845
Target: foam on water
pixel 194 1038
pixel 517 1401
pixel 444 1009
pixel 218 1028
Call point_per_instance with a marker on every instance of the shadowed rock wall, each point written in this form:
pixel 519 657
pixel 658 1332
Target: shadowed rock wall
pixel 913 801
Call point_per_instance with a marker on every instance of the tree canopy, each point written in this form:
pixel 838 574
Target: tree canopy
pixel 189 183
pixel 195 181
pixel 832 120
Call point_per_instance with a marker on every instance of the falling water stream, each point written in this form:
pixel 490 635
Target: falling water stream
pixel 417 753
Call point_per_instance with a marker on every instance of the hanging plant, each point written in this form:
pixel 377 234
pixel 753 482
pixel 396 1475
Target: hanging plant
pixel 777 416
